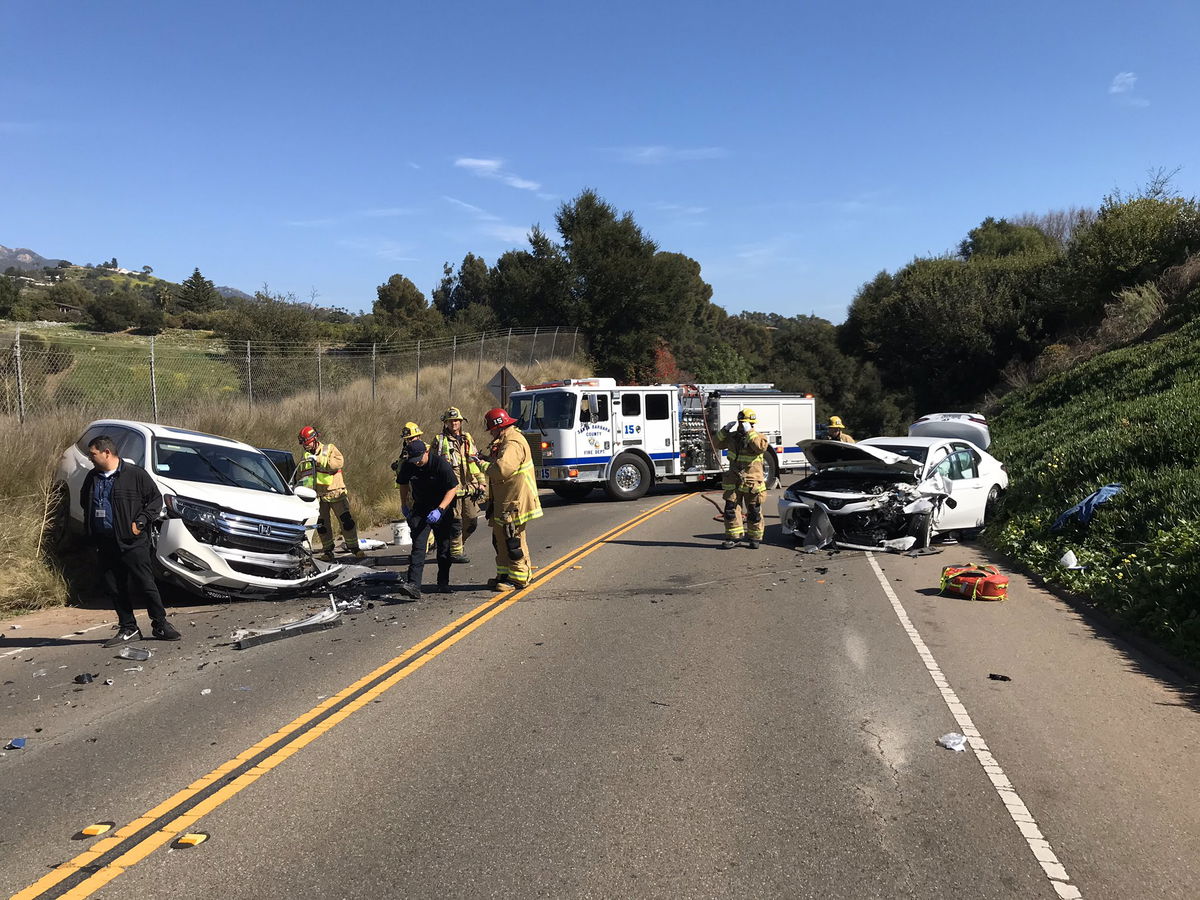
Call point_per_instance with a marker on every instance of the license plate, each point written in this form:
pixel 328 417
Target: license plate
pixel 544 474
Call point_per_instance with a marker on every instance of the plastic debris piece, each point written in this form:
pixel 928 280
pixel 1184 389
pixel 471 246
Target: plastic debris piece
pixel 1069 561
pixel 108 681
pixel 370 544
pixel 953 741
pixel 137 654
pixel 319 621
pixel 206 692
pixel 135 669
pixel 994 677
pixel 900 544
pixel 15 744
pixel 84 678
pixel 97 829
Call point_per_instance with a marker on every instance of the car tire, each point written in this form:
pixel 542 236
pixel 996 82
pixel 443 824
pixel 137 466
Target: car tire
pixel 573 492
pixel 628 478
pixel 58 516
pixel 921 527
pixel 992 507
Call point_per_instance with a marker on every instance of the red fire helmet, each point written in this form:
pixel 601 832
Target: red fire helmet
pixel 498 418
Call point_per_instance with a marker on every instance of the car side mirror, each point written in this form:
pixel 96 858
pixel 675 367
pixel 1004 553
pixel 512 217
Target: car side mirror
pixel 305 493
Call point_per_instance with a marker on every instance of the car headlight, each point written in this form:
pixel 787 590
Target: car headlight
pixel 194 514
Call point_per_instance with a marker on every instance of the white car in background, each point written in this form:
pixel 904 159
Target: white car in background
pixel 897 492
pixel 230 526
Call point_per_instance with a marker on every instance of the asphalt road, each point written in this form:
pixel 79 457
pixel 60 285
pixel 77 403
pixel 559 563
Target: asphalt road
pixel 655 717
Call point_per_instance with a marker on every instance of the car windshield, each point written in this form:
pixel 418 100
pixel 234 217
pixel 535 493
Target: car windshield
pixel 210 464
pixel 535 412
pixel 915 453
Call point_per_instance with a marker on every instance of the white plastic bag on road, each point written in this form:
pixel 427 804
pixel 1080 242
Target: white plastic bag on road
pixel 953 741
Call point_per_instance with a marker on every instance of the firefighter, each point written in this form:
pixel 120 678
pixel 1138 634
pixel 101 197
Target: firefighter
pixel 321 470
pixel 457 447
pixel 514 500
pixel 836 431
pixel 411 431
pixel 744 482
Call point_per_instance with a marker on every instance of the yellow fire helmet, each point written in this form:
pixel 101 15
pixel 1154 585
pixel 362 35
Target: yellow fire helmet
pixel 836 422
pixel 451 414
pixel 748 415
pixel 410 431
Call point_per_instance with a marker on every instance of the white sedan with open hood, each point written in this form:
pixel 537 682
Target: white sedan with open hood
pixel 896 492
pixel 230 527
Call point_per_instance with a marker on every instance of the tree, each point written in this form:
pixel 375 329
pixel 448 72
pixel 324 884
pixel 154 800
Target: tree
pixel 197 294
pixel 999 237
pixel 10 296
pixel 401 310
pixel 115 311
pixel 146 270
pixel 458 291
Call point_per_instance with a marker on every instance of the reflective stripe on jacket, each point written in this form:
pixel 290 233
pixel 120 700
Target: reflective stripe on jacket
pixel 511 478
pixel 458 454
pixel 324 474
pixel 745 456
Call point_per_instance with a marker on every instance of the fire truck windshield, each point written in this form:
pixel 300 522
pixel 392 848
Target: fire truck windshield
pixel 537 412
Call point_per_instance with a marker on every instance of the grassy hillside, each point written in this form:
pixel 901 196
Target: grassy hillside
pixel 1130 416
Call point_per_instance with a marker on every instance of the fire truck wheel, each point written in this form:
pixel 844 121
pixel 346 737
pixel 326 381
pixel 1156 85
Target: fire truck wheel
pixel 628 478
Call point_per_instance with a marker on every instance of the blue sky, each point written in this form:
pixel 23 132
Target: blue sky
pixel 794 149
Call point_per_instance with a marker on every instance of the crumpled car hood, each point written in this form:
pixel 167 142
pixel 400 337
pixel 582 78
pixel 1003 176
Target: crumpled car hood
pixel 829 454
pixel 287 507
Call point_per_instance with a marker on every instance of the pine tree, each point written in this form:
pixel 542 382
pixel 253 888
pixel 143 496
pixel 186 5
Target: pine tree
pixel 197 293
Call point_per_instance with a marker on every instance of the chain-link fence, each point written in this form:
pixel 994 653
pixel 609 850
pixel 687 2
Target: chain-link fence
pixel 160 378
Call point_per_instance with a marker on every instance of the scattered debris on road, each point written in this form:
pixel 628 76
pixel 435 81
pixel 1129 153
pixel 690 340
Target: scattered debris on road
pixel 243 639
pixel 953 741
pixel 137 654
pixel 15 744
pixel 994 677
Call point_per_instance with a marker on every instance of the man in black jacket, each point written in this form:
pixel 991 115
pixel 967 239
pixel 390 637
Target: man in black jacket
pixel 428 487
pixel 120 501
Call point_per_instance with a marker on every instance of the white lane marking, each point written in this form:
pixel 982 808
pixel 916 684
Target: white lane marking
pixel 1017 809
pixel 61 638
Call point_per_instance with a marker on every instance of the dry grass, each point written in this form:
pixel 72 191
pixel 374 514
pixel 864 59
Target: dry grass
pixel 367 432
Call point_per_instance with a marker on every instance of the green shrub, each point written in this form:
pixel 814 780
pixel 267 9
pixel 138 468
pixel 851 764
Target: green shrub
pixel 1130 416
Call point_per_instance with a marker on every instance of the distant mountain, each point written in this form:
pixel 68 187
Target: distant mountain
pixel 233 292
pixel 23 258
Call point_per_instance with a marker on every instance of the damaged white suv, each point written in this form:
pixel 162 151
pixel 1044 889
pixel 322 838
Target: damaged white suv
pixel 230 526
pixel 896 492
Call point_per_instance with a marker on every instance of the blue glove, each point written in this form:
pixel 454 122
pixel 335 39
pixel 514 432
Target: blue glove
pixel 435 516
pixel 406 512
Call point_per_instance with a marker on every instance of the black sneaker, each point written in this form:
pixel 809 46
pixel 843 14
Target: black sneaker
pixel 442 589
pixel 165 631
pixel 124 636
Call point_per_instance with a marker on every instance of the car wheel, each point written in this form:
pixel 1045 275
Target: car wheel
pixel 992 507
pixel 572 492
pixel 921 527
pixel 58 516
pixel 628 478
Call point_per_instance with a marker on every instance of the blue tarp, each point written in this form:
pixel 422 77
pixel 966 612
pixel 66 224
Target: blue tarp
pixel 1086 508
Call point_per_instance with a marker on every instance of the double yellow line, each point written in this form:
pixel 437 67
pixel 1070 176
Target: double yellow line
pixel 110 857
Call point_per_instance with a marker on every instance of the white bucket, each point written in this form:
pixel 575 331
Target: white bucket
pixel 401 535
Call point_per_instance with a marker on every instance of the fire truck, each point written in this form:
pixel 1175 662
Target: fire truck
pixel 591 432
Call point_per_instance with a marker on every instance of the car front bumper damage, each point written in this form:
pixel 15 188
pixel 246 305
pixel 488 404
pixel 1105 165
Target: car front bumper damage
pixel 212 570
